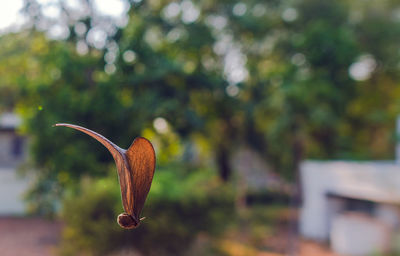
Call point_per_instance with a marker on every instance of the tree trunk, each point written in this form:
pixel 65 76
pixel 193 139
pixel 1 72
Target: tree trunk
pixel 223 163
pixel 298 151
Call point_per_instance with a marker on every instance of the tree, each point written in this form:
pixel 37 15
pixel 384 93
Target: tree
pixel 292 80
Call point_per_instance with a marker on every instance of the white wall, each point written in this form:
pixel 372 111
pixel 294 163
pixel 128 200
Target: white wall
pixel 11 192
pixel 7 156
pixel 5 146
pixel 374 181
pixel 358 234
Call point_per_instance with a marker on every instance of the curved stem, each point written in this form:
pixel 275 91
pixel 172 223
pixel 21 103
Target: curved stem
pixel 115 151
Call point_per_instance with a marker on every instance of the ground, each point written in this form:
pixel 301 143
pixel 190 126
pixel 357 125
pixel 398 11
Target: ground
pixel 39 237
pixel 309 248
pixel 28 236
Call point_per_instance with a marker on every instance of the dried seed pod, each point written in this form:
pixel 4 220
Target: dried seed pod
pixel 135 167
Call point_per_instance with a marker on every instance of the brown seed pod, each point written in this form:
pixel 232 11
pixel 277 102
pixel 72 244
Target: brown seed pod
pixel 135 167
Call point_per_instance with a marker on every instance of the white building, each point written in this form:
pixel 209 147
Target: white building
pixel 12 154
pixel 353 205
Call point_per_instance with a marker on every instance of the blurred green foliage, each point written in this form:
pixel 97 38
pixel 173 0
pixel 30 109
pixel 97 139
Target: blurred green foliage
pixel 181 205
pixel 288 79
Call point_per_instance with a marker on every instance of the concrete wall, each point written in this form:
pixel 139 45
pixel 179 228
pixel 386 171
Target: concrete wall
pixel 12 189
pixel 359 234
pixel 8 141
pixel 373 181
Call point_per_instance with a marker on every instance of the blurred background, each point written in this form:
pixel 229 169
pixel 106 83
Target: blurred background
pixel 274 125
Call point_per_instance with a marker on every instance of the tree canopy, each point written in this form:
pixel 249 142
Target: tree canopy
pixel 289 79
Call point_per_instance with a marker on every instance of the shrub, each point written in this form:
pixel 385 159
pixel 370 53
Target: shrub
pixel 180 206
